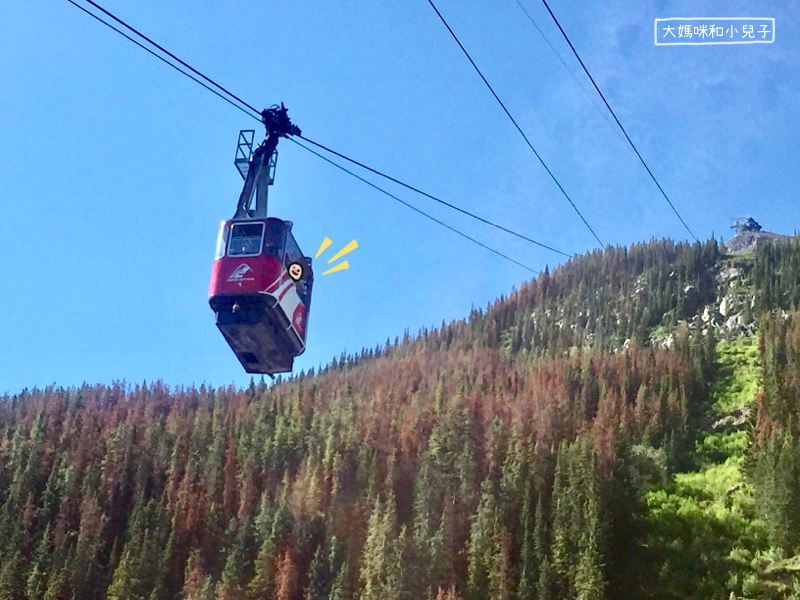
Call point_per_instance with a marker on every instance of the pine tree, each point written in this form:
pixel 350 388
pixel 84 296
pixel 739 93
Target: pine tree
pixel 193 578
pixel 589 584
pixel 237 570
pixel 442 551
pixel 528 560
pixel 57 584
pixel 563 551
pixel 625 555
pixel 168 579
pixel 380 568
pixel 136 574
pixel 403 573
pixel 340 589
pixel 481 543
pixel 424 534
pixel 88 547
pixel 123 581
pixel 11 576
pixel 285 578
pixel 37 578
pixel 500 572
pixel 540 534
pixel 319 575
pixel 544 589
pixel 588 577
pixel 263 581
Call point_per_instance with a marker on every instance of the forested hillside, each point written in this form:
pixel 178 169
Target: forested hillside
pixel 627 426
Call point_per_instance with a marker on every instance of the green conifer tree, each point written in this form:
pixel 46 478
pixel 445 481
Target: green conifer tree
pixel 480 547
pixel 380 570
pixel 589 584
pixel 563 546
pixel 319 575
pixel 37 577
pixel 340 589
pixel 544 588
pixel 529 559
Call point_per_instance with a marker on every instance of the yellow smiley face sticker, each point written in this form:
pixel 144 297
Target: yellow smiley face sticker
pixel 295 271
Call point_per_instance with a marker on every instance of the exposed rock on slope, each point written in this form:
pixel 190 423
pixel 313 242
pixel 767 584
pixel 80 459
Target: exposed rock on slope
pixel 746 241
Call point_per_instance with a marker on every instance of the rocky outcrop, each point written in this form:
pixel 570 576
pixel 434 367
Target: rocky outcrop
pixel 746 241
pixel 738 420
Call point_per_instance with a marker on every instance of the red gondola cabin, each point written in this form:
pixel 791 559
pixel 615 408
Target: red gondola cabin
pixel 261 310
pixel 261 282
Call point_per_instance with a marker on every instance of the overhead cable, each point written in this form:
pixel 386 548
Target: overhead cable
pixel 380 189
pixel 544 37
pixel 171 55
pixel 522 133
pixel 427 195
pixel 164 60
pixel 611 110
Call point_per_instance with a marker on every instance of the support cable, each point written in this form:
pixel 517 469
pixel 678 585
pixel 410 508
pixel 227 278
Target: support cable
pixel 171 55
pixel 522 133
pixel 427 195
pixel 544 37
pixel 627 137
pixel 162 59
pixel 380 189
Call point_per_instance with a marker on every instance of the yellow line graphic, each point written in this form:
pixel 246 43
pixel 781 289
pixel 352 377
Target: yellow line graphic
pixel 349 248
pixel 325 243
pixel 340 267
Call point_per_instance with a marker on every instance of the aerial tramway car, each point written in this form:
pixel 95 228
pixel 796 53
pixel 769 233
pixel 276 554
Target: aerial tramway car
pixel 261 282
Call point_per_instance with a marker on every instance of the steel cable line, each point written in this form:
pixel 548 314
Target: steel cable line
pixel 380 189
pixel 171 55
pixel 162 59
pixel 544 37
pixel 258 118
pixel 522 133
pixel 613 114
pixel 427 195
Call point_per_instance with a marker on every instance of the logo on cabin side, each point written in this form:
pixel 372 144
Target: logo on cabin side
pixel 240 273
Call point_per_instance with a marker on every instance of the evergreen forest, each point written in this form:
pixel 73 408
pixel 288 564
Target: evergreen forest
pixel 626 426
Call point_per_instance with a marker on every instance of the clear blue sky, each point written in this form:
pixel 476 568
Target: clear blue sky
pixel 115 171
